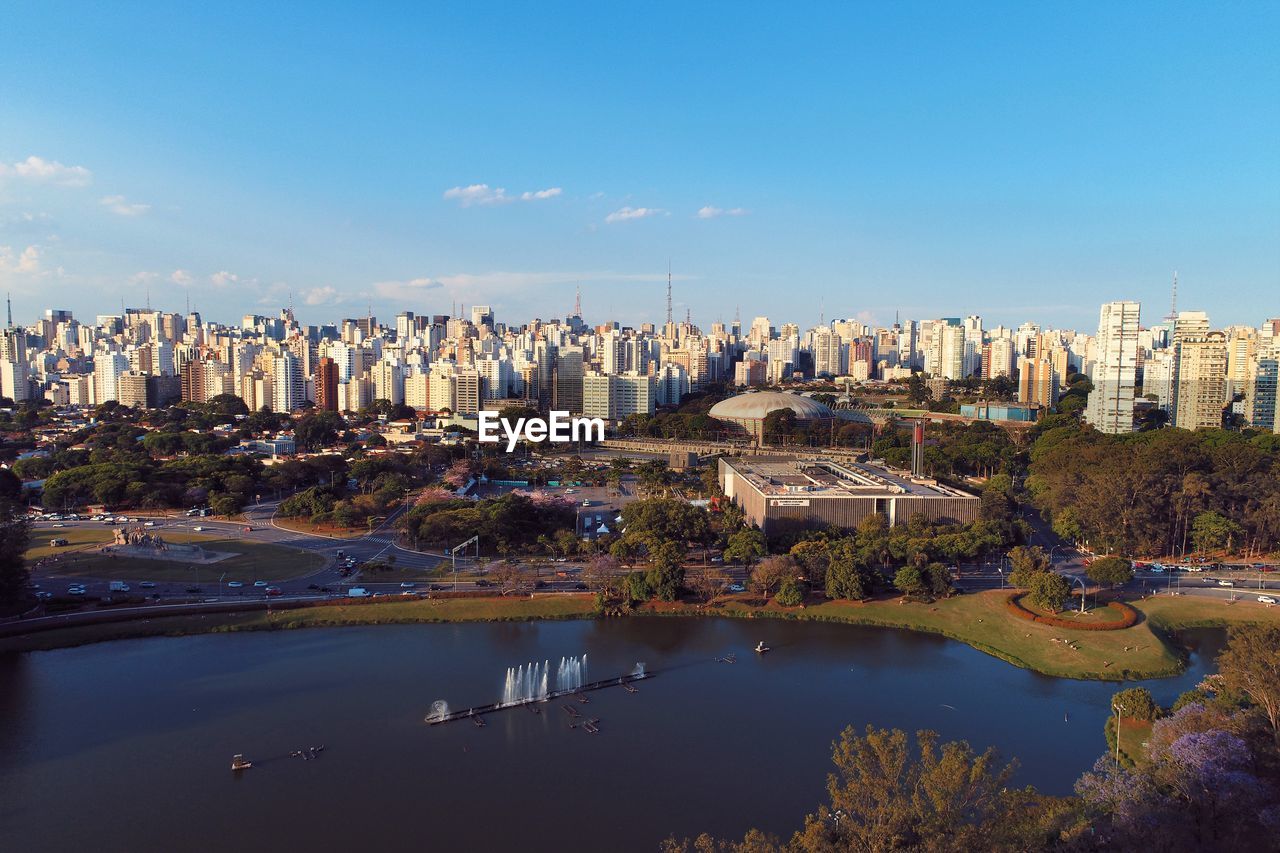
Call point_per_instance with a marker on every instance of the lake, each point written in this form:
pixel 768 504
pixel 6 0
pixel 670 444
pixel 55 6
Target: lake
pixel 127 745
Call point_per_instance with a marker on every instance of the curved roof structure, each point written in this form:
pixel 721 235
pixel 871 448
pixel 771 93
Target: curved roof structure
pixel 755 405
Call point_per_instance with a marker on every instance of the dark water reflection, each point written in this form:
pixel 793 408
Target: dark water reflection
pixel 126 745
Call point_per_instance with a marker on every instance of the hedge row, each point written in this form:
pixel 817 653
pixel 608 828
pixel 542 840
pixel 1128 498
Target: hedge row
pixel 1129 616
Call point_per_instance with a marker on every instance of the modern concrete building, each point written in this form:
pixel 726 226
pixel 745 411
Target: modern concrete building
pixel 785 493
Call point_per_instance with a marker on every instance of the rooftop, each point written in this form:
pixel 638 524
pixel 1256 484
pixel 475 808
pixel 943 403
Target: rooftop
pixel 781 476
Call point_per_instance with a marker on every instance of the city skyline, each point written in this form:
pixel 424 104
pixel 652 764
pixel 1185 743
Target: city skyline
pixel 927 162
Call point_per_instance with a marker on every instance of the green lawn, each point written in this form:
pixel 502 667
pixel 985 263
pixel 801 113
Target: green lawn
pixel 251 561
pixel 78 538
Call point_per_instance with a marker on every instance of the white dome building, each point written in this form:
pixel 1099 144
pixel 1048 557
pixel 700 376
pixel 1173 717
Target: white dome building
pixel 748 411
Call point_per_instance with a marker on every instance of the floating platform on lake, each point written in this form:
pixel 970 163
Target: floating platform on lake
pixel 479 710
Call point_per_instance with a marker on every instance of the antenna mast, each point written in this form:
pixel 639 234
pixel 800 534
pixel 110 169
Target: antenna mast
pixel 577 301
pixel 8 302
pixel 668 291
pixel 1173 301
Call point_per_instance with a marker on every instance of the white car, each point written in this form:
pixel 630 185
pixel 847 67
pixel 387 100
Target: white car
pixel 1226 583
pixel 235 584
pixel 149 524
pixel 407 585
pixel 197 528
pixel 259 583
pixel 1266 599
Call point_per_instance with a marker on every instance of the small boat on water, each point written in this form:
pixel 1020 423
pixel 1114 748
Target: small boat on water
pixel 629 688
pixel 479 723
pixel 762 648
pixel 239 762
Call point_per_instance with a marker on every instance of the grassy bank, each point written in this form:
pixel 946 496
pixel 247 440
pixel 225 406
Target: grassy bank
pixel 979 620
pixel 391 613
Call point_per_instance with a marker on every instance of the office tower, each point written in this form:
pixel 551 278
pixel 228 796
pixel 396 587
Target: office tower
pixel 1262 410
pixel 566 390
pixel 1110 405
pixel 1037 381
pixel 288 383
pixel 327 385
pixel 482 315
pixel 466 391
pixel 1202 380
pixel 406 326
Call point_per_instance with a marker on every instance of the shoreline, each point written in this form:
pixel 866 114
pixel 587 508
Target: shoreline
pixel 1146 650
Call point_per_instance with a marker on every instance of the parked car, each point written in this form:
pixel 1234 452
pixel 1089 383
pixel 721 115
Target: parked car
pixel 737 587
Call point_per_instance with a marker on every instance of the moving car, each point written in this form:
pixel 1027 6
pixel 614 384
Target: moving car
pixel 148 584
pixel 407 585
pixel 259 583
pixel 197 528
pixel 273 590
pixel 1266 599
pixel 1226 583
pixel 235 584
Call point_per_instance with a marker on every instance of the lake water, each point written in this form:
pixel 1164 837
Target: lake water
pixel 127 745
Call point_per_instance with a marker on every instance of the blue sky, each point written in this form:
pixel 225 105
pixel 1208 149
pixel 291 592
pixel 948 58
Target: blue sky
pixel 1021 160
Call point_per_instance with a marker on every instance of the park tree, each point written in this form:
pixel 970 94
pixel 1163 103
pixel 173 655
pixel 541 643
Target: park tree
pixel 887 794
pixel 909 581
pixel 1211 531
pixel 770 573
pixel 708 583
pixel 635 587
pixel 317 430
pixel 603 574
pixel 1049 590
pixel 937 578
pixel 1251 664
pixel 1112 571
pixel 790 593
pixel 1027 561
pixel 846 578
pixel 666 570
pixel 1136 703
pixel 745 546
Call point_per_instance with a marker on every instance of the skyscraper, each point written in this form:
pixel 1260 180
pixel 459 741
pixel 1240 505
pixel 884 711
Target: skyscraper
pixel 1110 406
pixel 327 385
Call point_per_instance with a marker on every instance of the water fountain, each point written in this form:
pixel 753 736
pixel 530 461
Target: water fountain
pixel 638 672
pixel 531 682
pixel 439 711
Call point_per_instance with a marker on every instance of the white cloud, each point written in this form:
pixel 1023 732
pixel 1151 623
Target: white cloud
pixel 405 290
pixel 25 262
pixel 326 295
pixel 182 277
pixel 38 169
pixel 625 214
pixel 483 194
pixel 710 212
pixel 119 206
pixel 223 278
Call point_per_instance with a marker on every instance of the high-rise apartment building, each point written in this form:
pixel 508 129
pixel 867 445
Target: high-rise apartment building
pixel 1202 389
pixel 1115 371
